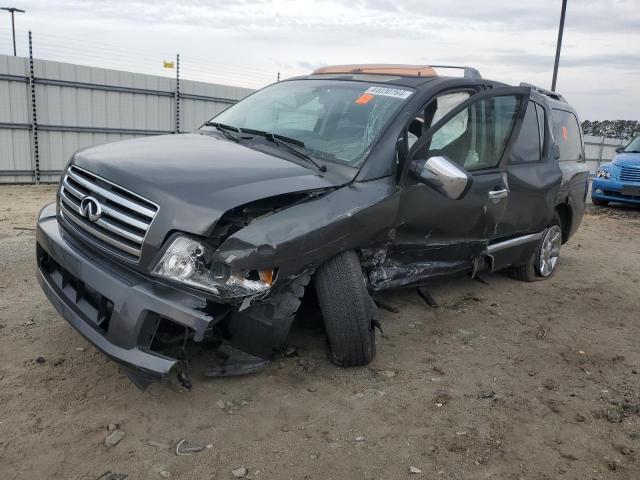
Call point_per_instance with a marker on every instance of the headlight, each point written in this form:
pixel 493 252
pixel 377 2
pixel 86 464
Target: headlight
pixel 601 173
pixel 189 261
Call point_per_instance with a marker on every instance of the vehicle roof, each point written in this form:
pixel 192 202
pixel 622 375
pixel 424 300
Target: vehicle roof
pixel 397 74
pixel 559 104
pixel 419 77
pixel 413 82
pixel 552 99
pixel 415 76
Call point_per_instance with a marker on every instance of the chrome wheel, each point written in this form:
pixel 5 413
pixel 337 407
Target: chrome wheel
pixel 549 251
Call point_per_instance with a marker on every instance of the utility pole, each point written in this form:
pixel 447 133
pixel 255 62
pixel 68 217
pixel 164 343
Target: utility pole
pixel 558 46
pixel 13 10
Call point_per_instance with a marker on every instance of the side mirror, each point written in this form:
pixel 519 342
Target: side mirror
pixel 443 176
pixel 619 149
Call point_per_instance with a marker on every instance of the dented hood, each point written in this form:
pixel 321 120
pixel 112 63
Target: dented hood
pixel 195 178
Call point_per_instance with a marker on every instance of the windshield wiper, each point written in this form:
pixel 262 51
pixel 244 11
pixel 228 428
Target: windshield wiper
pixel 631 151
pixel 225 130
pixel 294 146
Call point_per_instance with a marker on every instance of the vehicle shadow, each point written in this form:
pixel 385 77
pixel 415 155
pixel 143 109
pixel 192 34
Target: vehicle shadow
pixel 615 210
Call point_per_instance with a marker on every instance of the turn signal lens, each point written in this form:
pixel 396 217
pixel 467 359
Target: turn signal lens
pixel 266 276
pixel 190 261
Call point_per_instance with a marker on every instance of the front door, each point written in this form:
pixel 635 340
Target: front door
pixel 441 236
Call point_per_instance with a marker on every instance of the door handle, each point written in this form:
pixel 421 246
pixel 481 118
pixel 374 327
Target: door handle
pixel 493 194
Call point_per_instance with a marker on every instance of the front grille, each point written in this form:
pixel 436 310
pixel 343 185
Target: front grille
pixel 630 174
pixel 125 218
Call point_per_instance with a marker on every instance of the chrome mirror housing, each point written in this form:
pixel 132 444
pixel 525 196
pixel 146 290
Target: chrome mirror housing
pixel 442 175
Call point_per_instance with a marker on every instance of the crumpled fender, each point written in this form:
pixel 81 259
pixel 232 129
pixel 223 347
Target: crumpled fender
pixel 311 232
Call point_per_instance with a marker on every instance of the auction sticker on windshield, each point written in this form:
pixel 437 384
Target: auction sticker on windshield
pixel 389 92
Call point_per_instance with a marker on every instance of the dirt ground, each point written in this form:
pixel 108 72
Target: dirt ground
pixel 503 381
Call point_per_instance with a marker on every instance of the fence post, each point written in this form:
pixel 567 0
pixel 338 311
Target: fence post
pixel 177 95
pixel 34 118
pixel 601 149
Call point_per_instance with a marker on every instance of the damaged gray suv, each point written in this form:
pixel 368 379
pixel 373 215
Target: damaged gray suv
pixel 349 181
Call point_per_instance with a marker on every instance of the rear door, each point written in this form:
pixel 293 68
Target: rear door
pixel 533 175
pixel 438 235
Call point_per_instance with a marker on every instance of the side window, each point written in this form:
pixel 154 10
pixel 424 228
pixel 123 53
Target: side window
pixel 566 133
pixel 475 137
pixel 527 148
pixel 433 112
pixel 451 131
pixel 445 103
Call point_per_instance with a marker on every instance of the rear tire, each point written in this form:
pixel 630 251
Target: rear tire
pixel 347 309
pixel 600 203
pixel 543 262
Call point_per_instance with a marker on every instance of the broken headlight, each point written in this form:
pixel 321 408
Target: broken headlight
pixel 603 173
pixel 190 262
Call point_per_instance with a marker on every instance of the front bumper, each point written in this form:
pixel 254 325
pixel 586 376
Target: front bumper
pixel 116 309
pixel 612 191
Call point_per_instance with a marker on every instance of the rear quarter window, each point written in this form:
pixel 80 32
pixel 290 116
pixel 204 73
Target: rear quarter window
pixel 566 133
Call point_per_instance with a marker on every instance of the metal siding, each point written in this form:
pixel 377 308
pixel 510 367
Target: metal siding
pixel 75 106
pixel 15 150
pixel 599 150
pixel 15 107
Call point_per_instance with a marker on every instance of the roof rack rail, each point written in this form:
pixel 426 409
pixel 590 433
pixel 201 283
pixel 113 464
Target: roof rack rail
pixel 544 91
pixel 378 69
pixel 469 72
pixel 394 69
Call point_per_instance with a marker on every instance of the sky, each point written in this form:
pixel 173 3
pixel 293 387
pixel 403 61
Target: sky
pixel 247 42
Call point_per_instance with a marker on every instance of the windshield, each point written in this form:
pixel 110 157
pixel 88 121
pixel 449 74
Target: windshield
pixel 634 146
pixel 336 120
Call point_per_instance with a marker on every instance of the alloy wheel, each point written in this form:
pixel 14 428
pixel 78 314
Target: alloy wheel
pixel 549 251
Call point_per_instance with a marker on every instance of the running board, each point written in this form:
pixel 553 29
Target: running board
pixel 514 251
pixel 513 242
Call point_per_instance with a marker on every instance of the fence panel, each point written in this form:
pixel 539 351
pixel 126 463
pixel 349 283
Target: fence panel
pixel 79 106
pixel 599 150
pixel 15 118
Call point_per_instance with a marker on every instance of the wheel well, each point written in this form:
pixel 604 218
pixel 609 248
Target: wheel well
pixel 564 212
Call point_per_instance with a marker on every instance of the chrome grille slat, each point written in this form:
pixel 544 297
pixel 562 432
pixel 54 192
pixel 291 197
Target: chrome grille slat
pixel 104 223
pixel 112 212
pixel 124 222
pixel 98 234
pixel 67 186
pixel 70 204
pixel 109 195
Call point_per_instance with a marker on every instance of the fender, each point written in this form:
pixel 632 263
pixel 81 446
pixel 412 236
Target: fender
pixel 307 234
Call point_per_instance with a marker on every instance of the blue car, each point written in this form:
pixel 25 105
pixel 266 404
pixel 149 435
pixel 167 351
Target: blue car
pixel 619 181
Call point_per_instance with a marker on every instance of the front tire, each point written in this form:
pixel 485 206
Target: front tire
pixel 544 261
pixel 347 309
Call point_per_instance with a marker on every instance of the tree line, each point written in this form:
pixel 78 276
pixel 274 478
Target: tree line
pixel 623 129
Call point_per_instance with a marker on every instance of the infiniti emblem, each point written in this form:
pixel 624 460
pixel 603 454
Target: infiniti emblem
pixel 90 208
